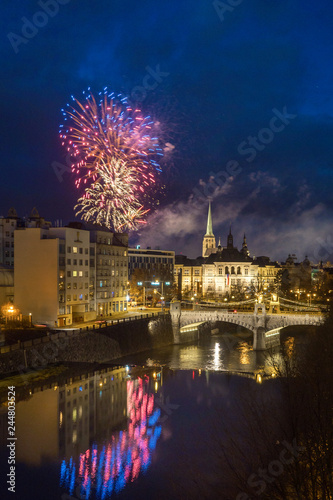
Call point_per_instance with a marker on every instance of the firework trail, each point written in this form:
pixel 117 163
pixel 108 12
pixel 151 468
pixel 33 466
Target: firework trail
pixel 115 158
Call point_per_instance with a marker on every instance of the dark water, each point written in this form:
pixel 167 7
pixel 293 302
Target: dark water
pixel 148 433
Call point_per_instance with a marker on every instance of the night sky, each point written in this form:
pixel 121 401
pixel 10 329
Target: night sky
pixel 226 74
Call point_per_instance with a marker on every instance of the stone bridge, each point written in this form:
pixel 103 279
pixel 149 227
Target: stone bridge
pixel 262 325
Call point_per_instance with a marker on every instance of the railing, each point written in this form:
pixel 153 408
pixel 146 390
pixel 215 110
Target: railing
pixel 50 337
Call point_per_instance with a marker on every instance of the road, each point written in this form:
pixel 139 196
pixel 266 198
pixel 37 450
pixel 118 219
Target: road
pixel 131 312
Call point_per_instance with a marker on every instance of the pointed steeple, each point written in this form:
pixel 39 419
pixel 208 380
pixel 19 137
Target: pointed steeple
pixel 209 244
pixel 245 250
pixel 230 240
pixel 209 230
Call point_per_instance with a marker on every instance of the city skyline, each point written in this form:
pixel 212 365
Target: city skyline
pixel 242 95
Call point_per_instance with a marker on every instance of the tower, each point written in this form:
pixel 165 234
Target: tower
pixel 245 250
pixel 230 241
pixel 209 244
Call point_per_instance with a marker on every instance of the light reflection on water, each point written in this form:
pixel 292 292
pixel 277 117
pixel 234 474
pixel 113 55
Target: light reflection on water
pixel 100 430
pixel 106 468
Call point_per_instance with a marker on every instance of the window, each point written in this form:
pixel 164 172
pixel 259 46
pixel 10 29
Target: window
pixel 7 233
pixel 246 271
pixel 74 249
pixel 86 263
pixel 239 270
pixel 74 286
pixel 86 274
pixel 80 262
pixel 68 274
pixel 74 297
pixel 80 296
pixel 69 262
pixel 68 298
pixel 80 273
pixel 226 270
pixel 75 262
pixel 220 270
pixel 68 249
pixel 69 286
pixel 86 251
pixel 81 250
pixel 232 270
pixel 74 273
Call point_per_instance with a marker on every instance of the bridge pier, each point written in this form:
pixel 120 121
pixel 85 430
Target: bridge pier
pixel 259 339
pixel 175 312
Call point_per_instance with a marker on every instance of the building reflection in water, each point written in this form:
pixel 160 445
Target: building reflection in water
pixel 120 417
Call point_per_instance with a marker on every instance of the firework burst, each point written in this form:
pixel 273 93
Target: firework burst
pixel 112 201
pixel 115 158
pixel 107 129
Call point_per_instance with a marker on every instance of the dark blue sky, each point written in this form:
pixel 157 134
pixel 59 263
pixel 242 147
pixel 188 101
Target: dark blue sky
pixel 221 76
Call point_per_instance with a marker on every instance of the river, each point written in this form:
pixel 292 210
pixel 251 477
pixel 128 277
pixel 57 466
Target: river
pixel 132 433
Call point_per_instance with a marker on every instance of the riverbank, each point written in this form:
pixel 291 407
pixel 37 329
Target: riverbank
pixel 106 344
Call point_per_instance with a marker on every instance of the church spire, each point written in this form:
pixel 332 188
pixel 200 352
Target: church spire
pixel 209 244
pixel 209 230
pixel 245 250
pixel 230 240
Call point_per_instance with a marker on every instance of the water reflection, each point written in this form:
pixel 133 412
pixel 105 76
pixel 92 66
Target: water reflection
pixel 244 348
pixel 107 467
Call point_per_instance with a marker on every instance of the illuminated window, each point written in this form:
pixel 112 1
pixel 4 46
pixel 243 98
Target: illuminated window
pixel 74 297
pixel 80 273
pixel 74 273
pixel 74 249
pixel 74 438
pixel 80 296
pixel 75 286
pixel 69 286
pixel 60 419
pixel 68 298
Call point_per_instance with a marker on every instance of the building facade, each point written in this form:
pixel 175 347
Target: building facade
pixel 65 275
pixel 188 276
pixel 155 263
pixel 8 225
pixel 110 271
